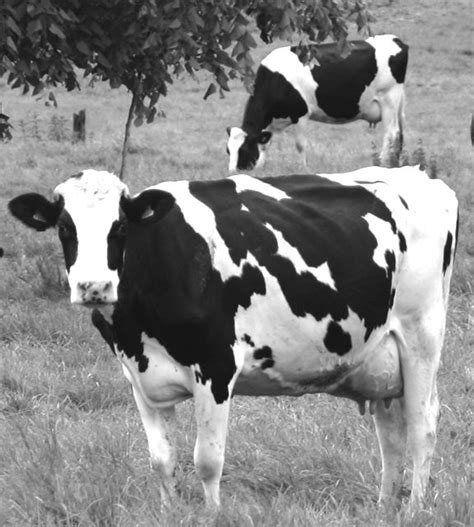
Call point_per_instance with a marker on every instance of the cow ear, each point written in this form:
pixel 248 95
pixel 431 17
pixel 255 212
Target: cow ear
pixel 36 211
pixel 228 130
pixel 150 205
pixel 264 137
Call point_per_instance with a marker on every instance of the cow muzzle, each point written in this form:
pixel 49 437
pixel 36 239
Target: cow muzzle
pixel 94 293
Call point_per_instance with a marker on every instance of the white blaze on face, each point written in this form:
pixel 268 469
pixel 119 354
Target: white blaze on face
pixel 236 140
pixel 92 201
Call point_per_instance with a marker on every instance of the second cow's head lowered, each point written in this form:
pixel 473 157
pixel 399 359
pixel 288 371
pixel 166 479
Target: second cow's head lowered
pixel 366 84
pixel 281 286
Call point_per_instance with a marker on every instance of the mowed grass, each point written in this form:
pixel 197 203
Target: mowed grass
pixel 72 448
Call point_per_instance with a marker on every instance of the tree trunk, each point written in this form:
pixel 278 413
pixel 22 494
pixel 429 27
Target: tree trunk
pixel 79 126
pixel 128 125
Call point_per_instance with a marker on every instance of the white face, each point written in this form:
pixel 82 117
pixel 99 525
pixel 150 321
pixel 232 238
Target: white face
pixel 92 202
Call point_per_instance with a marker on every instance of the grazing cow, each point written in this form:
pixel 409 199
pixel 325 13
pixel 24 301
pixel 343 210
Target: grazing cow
pixel 366 84
pixel 287 285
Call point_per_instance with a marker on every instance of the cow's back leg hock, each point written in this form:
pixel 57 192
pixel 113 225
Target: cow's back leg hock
pixel 211 419
pixel 160 426
pixel 390 425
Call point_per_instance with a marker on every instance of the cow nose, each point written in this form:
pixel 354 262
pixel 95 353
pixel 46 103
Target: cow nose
pixel 96 292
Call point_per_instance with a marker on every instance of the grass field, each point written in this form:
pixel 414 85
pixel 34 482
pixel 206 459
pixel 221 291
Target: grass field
pixel 72 449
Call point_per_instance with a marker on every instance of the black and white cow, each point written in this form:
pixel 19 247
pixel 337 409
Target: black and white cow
pixel 366 84
pixel 288 285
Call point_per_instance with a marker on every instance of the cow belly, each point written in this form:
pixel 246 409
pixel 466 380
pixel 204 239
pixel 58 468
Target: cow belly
pixel 371 373
pixel 165 382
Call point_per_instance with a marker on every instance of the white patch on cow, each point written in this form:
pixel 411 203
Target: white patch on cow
pixel 244 208
pixel 92 200
pixel 236 140
pixel 385 47
pixel 165 382
pixel 322 273
pixel 387 240
pixel 244 182
pixel 201 218
pixel 285 62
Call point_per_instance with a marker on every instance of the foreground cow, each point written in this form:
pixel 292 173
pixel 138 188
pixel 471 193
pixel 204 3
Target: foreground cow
pixel 366 84
pixel 281 286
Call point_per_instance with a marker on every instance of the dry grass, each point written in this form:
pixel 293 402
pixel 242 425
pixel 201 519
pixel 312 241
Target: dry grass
pixel 73 451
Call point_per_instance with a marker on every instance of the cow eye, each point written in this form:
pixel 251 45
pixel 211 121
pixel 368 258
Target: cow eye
pixel 64 232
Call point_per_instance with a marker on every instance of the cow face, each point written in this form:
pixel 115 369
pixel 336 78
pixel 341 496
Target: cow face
pixel 83 210
pixel 246 151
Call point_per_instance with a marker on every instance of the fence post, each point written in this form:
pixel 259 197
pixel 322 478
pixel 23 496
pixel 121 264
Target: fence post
pixel 79 126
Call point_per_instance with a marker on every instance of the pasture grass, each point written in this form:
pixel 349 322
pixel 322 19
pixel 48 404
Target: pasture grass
pixel 73 451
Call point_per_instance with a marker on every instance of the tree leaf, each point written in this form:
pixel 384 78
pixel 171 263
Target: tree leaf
pixel 56 30
pixel 210 90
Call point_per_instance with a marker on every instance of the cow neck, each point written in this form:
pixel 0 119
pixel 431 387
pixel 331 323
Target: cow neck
pixel 165 271
pixel 257 115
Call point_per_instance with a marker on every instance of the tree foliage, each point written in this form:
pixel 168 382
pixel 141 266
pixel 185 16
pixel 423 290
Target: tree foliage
pixel 145 44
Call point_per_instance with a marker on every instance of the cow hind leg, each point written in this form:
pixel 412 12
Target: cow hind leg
pixel 301 141
pixel 392 104
pixel 160 426
pixel 391 430
pixel 420 363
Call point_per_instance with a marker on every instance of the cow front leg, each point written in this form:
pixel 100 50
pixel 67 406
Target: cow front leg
pixel 211 418
pixel 160 426
pixel 391 430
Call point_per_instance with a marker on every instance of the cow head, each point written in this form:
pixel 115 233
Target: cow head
pixel 246 151
pixel 84 209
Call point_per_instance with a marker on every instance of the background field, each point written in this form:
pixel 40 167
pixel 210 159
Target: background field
pixel 72 449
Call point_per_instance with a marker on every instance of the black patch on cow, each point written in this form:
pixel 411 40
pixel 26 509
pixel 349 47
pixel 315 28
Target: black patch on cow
pixel 248 340
pixel 263 353
pixel 105 329
pixel 342 80
pixel 273 98
pixel 402 242
pixel 390 259
pixel 267 363
pixel 324 221
pixel 169 290
pixel 392 298
pixel 448 247
pixel 337 340
pixel 404 203
pixel 398 62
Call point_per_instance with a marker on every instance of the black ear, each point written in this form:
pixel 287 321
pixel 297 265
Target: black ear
pixel 150 205
pixel 35 211
pixel 228 130
pixel 264 137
